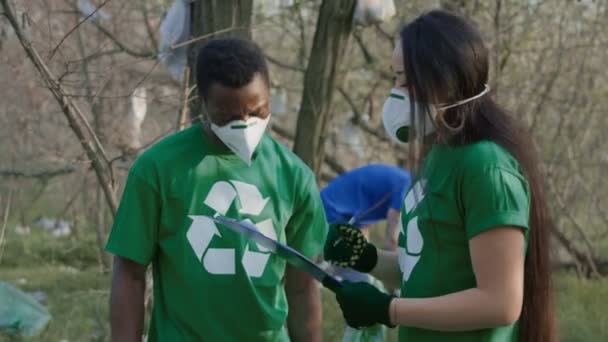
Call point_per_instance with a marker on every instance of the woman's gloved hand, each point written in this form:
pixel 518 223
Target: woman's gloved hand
pixel 346 246
pixel 363 305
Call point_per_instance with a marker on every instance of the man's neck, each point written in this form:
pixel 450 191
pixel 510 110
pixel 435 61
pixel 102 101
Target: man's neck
pixel 210 134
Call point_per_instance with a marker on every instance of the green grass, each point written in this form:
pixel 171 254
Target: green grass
pixel 67 271
pixel 582 308
pixel 41 248
pixel 77 300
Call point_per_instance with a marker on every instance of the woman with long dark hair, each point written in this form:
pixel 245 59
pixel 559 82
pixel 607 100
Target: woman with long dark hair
pixel 473 260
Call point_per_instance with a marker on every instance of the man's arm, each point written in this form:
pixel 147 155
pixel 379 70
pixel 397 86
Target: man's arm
pixel 392 229
pixel 127 300
pixel 304 321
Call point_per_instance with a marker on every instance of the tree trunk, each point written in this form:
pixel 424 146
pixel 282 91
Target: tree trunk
pixel 100 230
pixel 333 30
pixel 211 19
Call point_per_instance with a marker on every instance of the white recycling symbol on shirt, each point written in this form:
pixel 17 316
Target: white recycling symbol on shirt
pixel 202 230
pixel 410 255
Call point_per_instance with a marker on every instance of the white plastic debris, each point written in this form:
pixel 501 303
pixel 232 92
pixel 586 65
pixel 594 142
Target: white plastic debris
pixel 62 229
pixel 175 29
pixel 278 101
pixel 56 227
pixel 45 223
pixel 22 230
pixel 370 12
pixel 136 116
pixel 351 136
pixel 87 9
pixel 68 269
pixel 39 295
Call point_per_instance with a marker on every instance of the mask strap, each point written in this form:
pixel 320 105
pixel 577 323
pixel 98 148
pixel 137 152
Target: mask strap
pixel 461 102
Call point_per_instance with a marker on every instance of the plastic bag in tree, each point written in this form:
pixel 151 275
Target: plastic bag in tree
pixel 370 12
pixel 175 29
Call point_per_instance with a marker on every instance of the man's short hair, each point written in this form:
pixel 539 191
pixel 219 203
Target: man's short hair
pixel 231 62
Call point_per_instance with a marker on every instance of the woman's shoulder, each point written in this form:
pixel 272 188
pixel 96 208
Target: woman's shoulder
pixel 487 153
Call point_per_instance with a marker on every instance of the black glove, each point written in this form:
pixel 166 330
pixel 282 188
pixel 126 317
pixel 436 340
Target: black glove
pixel 363 305
pixel 346 246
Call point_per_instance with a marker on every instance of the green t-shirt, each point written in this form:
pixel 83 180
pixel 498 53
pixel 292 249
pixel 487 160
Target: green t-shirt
pixel 211 284
pixel 463 191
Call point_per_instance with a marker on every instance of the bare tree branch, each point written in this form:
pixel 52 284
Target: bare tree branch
pixel 387 36
pixel 39 175
pixel 284 65
pixel 583 257
pixel 182 117
pixel 4 221
pixel 75 27
pixel 144 11
pixel 72 112
pixel 369 58
pixel 208 35
pixel 378 133
pixel 100 54
pixel 122 46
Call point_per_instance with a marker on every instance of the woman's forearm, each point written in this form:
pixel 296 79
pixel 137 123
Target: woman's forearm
pixel 470 309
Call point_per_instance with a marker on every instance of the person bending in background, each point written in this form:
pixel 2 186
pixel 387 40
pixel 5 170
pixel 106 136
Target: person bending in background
pixel 363 197
pixel 367 195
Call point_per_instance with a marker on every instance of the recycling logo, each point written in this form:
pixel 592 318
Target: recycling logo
pixel 410 255
pixel 222 261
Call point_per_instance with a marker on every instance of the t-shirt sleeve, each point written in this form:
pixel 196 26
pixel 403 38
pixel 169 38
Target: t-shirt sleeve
pixel 494 196
pixel 134 232
pixel 307 228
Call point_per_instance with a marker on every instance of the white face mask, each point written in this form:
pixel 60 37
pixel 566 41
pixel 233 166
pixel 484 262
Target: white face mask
pixel 242 137
pixel 396 115
pixel 397 119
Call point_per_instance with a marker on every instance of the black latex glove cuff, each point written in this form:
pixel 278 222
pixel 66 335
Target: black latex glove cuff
pixel 387 320
pixel 363 305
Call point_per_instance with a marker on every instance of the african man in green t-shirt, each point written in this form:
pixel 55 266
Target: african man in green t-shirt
pixel 211 284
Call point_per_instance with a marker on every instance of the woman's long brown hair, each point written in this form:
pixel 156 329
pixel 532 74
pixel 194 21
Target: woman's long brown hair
pixel 446 60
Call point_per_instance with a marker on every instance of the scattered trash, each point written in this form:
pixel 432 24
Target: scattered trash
pixel 351 136
pixel 370 12
pixel 20 313
pixel 22 281
pixel 39 296
pixel 136 116
pixel 278 101
pixel 56 227
pixel 22 230
pixel 87 9
pixel 68 269
pixel 175 29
